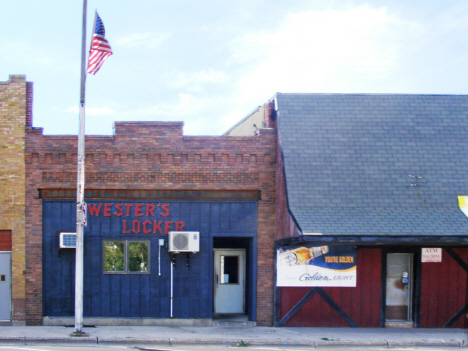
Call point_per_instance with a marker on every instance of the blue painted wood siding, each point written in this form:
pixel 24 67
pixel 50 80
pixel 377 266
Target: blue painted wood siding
pixel 138 295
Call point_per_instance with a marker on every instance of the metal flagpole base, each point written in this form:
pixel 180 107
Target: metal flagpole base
pixel 79 334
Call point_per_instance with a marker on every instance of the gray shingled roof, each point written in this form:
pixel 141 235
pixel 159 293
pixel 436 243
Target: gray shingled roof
pixel 375 164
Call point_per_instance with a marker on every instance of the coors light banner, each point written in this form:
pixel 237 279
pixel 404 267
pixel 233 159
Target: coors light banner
pixel 316 266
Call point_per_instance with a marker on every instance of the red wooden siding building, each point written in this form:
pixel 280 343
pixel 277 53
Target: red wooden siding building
pixel 443 291
pixel 361 304
pixel 380 175
pixel 440 296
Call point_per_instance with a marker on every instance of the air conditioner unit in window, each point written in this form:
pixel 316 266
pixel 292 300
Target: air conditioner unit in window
pixel 184 242
pixel 67 240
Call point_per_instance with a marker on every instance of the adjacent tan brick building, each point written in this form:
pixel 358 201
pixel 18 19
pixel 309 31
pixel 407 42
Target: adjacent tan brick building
pixel 15 118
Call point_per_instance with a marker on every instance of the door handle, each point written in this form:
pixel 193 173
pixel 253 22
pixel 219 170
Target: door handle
pixel 217 281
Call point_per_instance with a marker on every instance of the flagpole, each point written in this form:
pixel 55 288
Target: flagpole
pixel 78 331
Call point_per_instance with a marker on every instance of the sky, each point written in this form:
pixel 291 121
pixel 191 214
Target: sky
pixel 210 63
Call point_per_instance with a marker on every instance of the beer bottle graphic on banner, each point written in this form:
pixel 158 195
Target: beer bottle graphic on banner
pixel 301 255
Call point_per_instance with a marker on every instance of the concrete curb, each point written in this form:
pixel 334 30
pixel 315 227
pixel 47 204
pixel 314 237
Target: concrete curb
pixel 13 340
pixel 243 336
pixel 352 344
pixel 232 343
pixel 92 341
pixel 133 341
pixel 426 343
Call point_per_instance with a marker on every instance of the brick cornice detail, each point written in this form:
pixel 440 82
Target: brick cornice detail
pixel 154 177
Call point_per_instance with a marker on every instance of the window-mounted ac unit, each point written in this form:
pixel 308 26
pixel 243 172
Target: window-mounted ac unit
pixel 67 240
pixel 184 242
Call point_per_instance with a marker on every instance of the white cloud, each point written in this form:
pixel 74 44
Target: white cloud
pixel 187 104
pixel 200 114
pixel 24 54
pixel 92 111
pixel 319 51
pixel 147 40
pixel 195 81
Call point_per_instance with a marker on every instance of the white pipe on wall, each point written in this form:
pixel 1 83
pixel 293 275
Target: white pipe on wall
pixel 172 284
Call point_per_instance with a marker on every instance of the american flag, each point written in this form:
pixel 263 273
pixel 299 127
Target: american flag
pixel 100 48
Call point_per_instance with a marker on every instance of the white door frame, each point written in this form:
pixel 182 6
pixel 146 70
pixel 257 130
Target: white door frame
pixel 229 296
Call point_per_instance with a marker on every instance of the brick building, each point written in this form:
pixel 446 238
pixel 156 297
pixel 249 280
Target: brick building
pixel 145 181
pixel 15 117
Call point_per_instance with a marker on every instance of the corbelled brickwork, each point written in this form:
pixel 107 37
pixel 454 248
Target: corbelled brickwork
pixel 15 110
pixel 155 156
pixel 154 177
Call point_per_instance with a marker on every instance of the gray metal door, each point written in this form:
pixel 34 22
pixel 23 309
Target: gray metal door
pixel 229 291
pixel 5 286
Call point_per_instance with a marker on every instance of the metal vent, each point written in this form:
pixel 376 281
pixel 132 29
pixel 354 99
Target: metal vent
pixel 180 242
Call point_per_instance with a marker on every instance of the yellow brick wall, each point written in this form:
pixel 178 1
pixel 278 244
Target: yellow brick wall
pixel 13 118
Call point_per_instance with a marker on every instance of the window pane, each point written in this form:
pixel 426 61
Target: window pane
pixel 229 269
pixel 138 257
pixel 113 256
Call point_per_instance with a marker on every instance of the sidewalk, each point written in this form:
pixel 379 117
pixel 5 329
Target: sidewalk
pixel 240 336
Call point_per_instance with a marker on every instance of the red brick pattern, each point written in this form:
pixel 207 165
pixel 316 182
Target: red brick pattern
pixel 154 177
pixel 270 115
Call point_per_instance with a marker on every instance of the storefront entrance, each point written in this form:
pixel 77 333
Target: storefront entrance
pixel 399 291
pixel 229 281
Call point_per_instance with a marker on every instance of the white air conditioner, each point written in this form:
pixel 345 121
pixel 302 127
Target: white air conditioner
pixel 184 242
pixel 67 240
